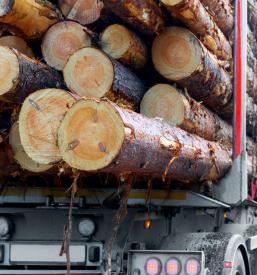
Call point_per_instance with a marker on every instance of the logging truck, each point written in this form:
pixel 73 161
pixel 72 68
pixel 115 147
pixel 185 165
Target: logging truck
pixel 205 221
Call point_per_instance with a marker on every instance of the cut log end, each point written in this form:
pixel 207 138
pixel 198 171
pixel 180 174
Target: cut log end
pixel 18 43
pixel 62 40
pixel 116 40
pixel 6 6
pixel 171 2
pixel 91 135
pixel 89 72
pixel 20 155
pixel 176 53
pixel 39 120
pixel 122 44
pixel 9 70
pixel 163 101
pixel 84 12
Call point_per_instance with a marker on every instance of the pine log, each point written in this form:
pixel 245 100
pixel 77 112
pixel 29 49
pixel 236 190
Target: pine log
pixel 61 41
pixel 21 75
pixel 222 13
pixel 20 155
pixel 96 135
pixel 39 120
pixel 31 17
pixel 145 16
pixel 17 43
pixel 193 14
pixel 84 12
pixel 179 56
pixel 122 44
pixel 91 73
pixel 175 108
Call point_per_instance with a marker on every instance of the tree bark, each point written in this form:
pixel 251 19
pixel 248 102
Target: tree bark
pixel 17 43
pixel 222 13
pixel 61 41
pixel 39 119
pixel 31 17
pixel 21 75
pixel 84 12
pixel 129 142
pixel 252 17
pixel 251 117
pixel 125 46
pixel 91 73
pixel 179 56
pixel 145 16
pixel 193 14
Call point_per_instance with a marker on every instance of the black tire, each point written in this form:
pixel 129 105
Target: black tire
pixel 239 264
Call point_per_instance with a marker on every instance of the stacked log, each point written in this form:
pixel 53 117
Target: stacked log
pixel 39 118
pixel 61 41
pixel 91 73
pixel 21 75
pixel 84 12
pixel 80 95
pixel 201 23
pixel 30 18
pixel 179 56
pixel 113 139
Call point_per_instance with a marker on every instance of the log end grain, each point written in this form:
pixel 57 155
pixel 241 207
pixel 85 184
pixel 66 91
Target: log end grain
pixel 91 135
pixel 176 53
pixel 9 70
pixel 62 40
pixel 20 155
pixel 171 2
pixel 163 101
pixel 17 43
pixel 86 12
pixel 120 43
pixel 89 72
pixel 39 119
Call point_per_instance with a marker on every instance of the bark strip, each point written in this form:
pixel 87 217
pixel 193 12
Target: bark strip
pixel 145 16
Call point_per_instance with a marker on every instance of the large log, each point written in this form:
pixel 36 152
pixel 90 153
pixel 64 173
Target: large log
pixel 122 44
pixel 145 16
pixel 222 13
pixel 17 43
pixel 96 135
pixel 199 21
pixel 175 108
pixel 20 155
pixel 179 56
pixel 171 105
pixel 90 72
pixel 21 75
pixel 84 12
pixel 61 41
pixel 31 17
pixel 39 120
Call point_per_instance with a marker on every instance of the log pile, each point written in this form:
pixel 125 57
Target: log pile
pixel 85 94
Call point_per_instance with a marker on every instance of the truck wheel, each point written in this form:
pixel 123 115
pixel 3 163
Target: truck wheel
pixel 239 264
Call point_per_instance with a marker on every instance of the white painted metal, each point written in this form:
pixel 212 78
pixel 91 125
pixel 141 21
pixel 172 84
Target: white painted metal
pixel 43 253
